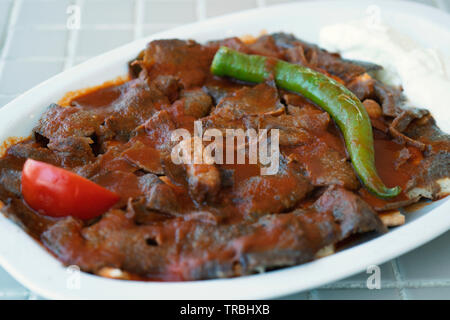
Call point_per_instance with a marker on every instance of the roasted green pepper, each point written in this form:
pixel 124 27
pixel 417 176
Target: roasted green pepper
pixel 342 105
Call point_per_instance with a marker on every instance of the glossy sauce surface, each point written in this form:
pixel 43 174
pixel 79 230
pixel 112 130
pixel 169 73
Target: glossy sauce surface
pixel 202 221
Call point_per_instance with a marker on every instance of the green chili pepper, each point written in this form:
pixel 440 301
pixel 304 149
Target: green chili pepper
pixel 342 105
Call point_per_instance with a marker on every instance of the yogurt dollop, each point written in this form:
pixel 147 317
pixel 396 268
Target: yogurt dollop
pixel 422 72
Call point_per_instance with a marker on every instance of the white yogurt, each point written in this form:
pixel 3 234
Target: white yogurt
pixel 422 72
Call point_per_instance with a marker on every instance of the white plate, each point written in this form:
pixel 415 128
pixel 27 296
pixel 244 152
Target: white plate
pixel 34 267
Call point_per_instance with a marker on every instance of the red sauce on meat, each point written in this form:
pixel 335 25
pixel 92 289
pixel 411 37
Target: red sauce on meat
pixel 190 222
pixel 101 97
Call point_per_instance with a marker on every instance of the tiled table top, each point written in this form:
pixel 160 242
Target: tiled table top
pixel 35 42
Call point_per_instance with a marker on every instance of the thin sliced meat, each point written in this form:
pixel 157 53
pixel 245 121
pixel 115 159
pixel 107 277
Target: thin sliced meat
pixel 203 221
pixel 73 151
pixel 136 105
pixel 168 250
pixel 271 193
pixel 60 122
pixel 204 181
pixel 324 166
pixel 314 57
pixel 31 150
pixel 196 102
pixel 144 157
pixel 186 60
pixel 158 195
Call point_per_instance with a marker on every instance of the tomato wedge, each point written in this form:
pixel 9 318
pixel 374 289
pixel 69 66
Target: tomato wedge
pixel 56 192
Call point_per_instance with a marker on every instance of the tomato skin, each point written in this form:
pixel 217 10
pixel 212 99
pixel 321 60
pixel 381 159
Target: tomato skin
pixel 57 192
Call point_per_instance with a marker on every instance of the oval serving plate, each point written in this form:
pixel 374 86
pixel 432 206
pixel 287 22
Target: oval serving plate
pixel 34 267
